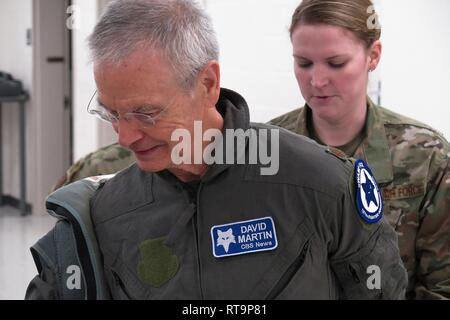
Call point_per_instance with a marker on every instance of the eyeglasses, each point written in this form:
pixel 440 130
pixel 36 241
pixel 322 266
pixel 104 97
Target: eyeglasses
pixel 142 118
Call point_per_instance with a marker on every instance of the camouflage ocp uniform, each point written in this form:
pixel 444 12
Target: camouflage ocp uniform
pixel 410 161
pixel 107 160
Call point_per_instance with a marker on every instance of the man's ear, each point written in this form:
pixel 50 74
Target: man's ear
pixel 210 82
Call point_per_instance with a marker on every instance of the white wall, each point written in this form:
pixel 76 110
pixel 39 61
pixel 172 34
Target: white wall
pixel 89 133
pixel 256 54
pixel 85 126
pixel 416 60
pixel 15 58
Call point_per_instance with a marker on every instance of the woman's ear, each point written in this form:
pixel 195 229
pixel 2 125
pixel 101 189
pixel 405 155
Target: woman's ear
pixel 375 55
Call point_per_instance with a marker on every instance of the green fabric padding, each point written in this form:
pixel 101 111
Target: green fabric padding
pixel 158 264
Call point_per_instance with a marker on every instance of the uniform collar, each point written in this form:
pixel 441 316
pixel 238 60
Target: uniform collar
pixel 374 149
pixel 234 110
pixel 302 121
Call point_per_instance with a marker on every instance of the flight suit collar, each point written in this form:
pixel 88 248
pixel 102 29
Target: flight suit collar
pixel 375 147
pixel 234 110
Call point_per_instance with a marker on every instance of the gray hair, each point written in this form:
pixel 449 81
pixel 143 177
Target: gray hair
pixel 179 29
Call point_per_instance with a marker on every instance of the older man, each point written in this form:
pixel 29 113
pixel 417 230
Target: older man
pixel 200 216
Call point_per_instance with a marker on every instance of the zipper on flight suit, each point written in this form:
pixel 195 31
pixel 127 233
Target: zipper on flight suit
pixel 192 201
pixel 289 274
pixel 197 249
pixel 197 244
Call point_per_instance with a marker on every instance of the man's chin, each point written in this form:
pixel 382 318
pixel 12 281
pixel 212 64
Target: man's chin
pixel 150 167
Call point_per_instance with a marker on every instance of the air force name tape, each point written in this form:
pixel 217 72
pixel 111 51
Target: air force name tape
pixel 368 197
pixel 244 237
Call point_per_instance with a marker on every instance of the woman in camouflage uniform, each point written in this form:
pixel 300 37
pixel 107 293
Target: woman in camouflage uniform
pixel 335 46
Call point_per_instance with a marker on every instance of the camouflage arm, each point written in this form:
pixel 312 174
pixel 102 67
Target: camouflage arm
pixel 107 160
pixel 287 121
pixel 433 240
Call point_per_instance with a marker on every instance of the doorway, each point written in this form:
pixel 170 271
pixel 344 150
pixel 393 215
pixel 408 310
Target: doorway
pixel 51 114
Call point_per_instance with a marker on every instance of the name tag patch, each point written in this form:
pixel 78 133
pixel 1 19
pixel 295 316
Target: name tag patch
pixel 244 237
pixel 403 192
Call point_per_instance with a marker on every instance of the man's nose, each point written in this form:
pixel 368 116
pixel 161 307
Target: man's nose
pixel 319 78
pixel 128 132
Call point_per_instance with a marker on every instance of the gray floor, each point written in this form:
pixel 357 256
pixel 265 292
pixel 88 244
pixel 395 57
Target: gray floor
pixel 17 234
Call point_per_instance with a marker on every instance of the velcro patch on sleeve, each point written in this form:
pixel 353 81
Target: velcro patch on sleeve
pixel 369 202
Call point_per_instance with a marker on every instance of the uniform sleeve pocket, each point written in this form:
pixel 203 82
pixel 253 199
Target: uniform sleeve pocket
pixel 375 271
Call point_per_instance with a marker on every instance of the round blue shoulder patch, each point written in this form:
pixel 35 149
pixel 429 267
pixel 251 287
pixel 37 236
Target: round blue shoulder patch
pixel 368 196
